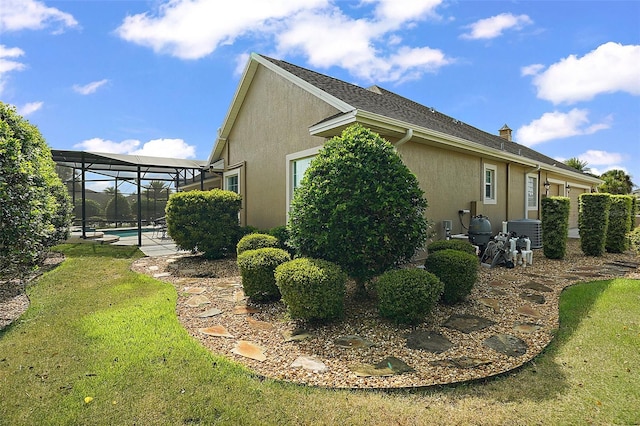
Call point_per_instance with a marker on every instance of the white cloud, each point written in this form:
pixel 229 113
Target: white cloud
pixel 317 29
pixel 612 67
pixel 533 69
pixel 494 27
pixel 9 65
pixel 33 15
pixel 89 88
pixel 599 158
pixel 173 148
pixel 30 108
pixel 558 125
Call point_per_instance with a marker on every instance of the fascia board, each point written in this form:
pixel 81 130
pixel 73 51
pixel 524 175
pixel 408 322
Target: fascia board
pixel 305 85
pixel 336 122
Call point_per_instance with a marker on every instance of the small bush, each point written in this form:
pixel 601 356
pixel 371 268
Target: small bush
pixel 312 289
pixel 256 241
pixel 457 270
pixel 459 245
pixel 555 226
pixel 282 234
pixel 407 295
pixel 593 221
pixel 257 269
pixel 619 223
pixel 204 220
pixel 634 239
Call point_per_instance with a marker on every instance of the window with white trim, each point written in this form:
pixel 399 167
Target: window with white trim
pixel 232 181
pixel 489 194
pixel 297 164
pixel 532 192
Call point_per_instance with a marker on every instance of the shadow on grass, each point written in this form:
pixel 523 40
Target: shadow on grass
pixel 99 250
pixel 542 378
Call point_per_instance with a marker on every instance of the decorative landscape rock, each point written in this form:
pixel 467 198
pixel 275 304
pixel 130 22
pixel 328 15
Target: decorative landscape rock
pixel 216 331
pixel 506 344
pixel 309 363
pixel 533 298
pixel 162 275
pixel 526 327
pixel 491 303
pixel 296 335
pixel 368 370
pixel 259 325
pixel 467 323
pixel 499 284
pixel 528 311
pixel 240 310
pixel 396 365
pixel 197 301
pixel 249 350
pixel 353 342
pixel 535 286
pixel 194 290
pixel 429 341
pixel 209 313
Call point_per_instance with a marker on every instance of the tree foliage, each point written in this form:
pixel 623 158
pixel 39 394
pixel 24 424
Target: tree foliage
pixel 359 206
pixel 35 209
pixel 577 164
pixel 616 181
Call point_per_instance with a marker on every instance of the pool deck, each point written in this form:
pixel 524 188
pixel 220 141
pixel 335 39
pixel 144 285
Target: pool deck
pixel 152 244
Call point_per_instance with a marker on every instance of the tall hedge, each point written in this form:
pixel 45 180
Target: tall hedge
pixel 593 221
pixel 359 206
pixel 205 221
pixel 35 209
pixel 555 226
pixel 619 223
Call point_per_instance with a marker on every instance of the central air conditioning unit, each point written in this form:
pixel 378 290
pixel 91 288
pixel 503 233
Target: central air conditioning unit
pixel 531 228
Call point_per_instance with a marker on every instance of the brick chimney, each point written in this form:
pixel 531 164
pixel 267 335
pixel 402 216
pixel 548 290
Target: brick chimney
pixel 505 133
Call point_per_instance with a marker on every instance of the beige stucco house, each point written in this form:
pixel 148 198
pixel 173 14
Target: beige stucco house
pixel 282 114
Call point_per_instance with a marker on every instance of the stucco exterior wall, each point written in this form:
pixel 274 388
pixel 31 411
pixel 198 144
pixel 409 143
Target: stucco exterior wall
pixel 273 121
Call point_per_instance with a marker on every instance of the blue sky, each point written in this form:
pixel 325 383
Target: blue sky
pixel 157 77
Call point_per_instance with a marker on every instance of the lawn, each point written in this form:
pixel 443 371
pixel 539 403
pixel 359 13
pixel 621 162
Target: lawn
pixel 102 345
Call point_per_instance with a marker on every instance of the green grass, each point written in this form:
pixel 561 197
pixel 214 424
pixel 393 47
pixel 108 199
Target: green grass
pixel 96 329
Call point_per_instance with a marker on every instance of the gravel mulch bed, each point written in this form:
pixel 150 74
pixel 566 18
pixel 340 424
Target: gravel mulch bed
pixel 521 302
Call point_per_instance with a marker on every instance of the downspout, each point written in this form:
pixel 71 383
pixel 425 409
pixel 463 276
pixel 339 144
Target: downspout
pixel 407 136
pixel 506 207
pixel 526 198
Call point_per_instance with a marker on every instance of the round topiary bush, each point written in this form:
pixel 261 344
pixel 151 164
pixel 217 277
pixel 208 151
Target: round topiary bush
pixel 256 241
pixel 457 270
pixel 407 295
pixel 312 289
pixel 459 245
pixel 257 269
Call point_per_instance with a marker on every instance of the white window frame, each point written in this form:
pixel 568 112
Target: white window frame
pixel 494 184
pixel 231 173
pixel 536 189
pixel 289 164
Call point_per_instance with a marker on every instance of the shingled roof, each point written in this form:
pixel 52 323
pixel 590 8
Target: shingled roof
pixel 388 104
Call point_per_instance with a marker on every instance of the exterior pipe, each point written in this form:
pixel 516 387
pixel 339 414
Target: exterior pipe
pixel 407 136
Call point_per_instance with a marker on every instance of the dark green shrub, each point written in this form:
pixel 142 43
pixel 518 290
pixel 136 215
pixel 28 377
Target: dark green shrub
pixel 555 226
pixel 35 209
pixel 459 245
pixel 204 220
pixel 256 241
pixel 407 295
pixel 593 221
pixel 457 270
pixel 312 289
pixel 359 206
pixel 282 234
pixel 619 223
pixel 257 269
pixel 123 211
pixel 634 239
pixel 92 209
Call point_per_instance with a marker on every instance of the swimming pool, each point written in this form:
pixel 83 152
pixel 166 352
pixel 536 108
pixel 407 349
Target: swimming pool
pixel 125 232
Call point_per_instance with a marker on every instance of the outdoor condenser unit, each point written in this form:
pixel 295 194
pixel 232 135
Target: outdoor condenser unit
pixel 532 228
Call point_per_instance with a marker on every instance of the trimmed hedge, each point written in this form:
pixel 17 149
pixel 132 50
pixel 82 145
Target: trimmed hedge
pixel 312 289
pixel 256 241
pixel 634 239
pixel 457 270
pixel 555 226
pixel 619 223
pixel 593 221
pixel 407 295
pixel 459 245
pixel 205 221
pixel 257 269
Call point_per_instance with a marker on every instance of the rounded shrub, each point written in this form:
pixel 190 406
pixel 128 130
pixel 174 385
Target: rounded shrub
pixel 282 234
pixel 459 245
pixel 593 221
pixel 312 289
pixel 257 269
pixel 407 295
pixel 457 270
pixel 256 241
pixel 619 223
pixel 555 226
